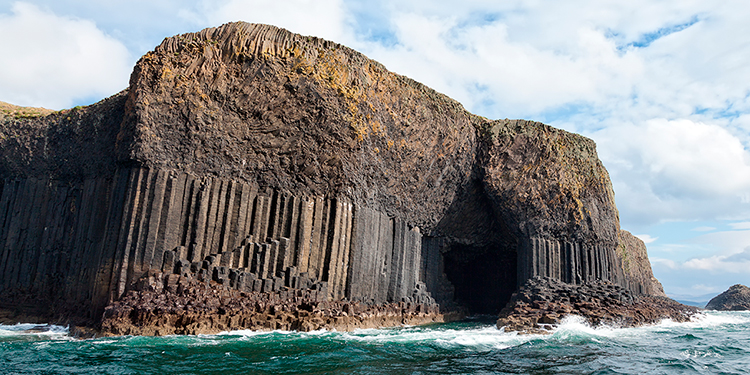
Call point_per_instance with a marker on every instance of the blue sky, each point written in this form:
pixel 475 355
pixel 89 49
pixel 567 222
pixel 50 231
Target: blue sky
pixel 663 87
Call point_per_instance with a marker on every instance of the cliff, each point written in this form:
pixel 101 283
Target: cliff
pixel 636 266
pixel 269 163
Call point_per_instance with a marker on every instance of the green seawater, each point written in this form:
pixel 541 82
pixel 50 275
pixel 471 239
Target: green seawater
pixel 713 343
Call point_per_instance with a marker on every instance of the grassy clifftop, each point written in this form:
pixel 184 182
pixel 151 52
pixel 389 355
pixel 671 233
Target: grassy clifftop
pixel 18 112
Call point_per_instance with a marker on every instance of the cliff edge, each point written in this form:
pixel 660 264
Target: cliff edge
pixel 266 166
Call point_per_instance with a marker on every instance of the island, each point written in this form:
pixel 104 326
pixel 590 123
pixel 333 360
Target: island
pixel 736 298
pixel 253 178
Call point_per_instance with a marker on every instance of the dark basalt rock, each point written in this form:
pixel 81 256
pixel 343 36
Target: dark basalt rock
pixel 251 159
pixel 736 298
pixel 541 303
pixel 166 304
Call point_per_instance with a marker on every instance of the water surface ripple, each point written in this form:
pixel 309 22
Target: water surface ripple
pixel 713 343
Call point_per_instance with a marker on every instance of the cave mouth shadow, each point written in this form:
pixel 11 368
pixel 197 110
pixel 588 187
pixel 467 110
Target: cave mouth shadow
pixel 484 277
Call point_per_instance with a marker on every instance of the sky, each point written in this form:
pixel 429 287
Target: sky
pixel 663 87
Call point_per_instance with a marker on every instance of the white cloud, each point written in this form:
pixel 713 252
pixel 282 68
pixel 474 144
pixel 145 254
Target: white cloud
pixel 670 248
pixel 740 226
pixel 53 61
pixel 738 263
pixel 530 57
pixel 646 238
pixel 718 252
pixel 668 263
pixel 703 229
pixel 698 276
pixel 676 170
pixel 483 65
pixel 725 243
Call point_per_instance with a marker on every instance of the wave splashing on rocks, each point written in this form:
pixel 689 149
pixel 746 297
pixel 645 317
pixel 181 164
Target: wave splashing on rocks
pixel 542 303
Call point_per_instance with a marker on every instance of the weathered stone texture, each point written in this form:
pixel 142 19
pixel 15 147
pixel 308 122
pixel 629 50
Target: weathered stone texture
pixel 635 265
pixel 299 114
pixel 542 302
pixel 251 158
pixel 736 298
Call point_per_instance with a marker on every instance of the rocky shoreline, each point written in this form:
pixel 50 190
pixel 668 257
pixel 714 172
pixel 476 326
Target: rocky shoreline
pixel 542 303
pixel 167 304
pixel 164 304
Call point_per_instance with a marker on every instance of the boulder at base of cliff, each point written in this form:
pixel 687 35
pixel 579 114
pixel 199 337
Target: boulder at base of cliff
pixel 736 298
pixel 542 302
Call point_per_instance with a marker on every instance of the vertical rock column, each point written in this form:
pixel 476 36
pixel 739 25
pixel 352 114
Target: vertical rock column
pixel 53 235
pixel 370 256
pixel 385 258
pixel 87 242
pixel 570 262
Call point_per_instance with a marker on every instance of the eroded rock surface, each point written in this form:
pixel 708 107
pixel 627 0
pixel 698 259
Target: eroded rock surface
pixel 300 114
pixel 736 298
pixel 542 303
pixel 166 304
pixel 291 162
pixel 636 266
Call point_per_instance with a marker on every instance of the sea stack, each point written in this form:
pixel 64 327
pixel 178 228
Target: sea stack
pixel 736 298
pixel 250 177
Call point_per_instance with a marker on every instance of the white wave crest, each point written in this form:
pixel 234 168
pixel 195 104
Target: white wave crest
pixel 476 338
pixel 711 319
pixel 575 328
pixel 572 329
pixel 19 330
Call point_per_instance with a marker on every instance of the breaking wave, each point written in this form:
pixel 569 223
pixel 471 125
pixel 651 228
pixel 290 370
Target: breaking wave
pixel 713 342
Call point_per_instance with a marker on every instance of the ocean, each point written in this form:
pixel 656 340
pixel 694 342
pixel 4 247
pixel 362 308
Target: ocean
pixel 713 343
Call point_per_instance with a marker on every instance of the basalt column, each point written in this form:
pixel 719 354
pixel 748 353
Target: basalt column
pixel 268 238
pixel 571 262
pixel 259 160
pixel 385 262
pixel 179 223
pixel 53 237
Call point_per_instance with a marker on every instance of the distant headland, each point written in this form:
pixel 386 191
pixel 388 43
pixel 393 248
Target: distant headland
pixel 736 298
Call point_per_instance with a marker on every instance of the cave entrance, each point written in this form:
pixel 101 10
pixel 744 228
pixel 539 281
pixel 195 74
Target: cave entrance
pixel 484 277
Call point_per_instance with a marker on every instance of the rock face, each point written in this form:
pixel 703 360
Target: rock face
pixel 543 302
pixel 736 298
pixel 251 159
pixel 636 266
pixel 157 306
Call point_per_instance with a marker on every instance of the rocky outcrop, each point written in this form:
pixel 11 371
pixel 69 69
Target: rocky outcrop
pixel 166 304
pixel 636 267
pixel 542 303
pixel 736 298
pixel 269 165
